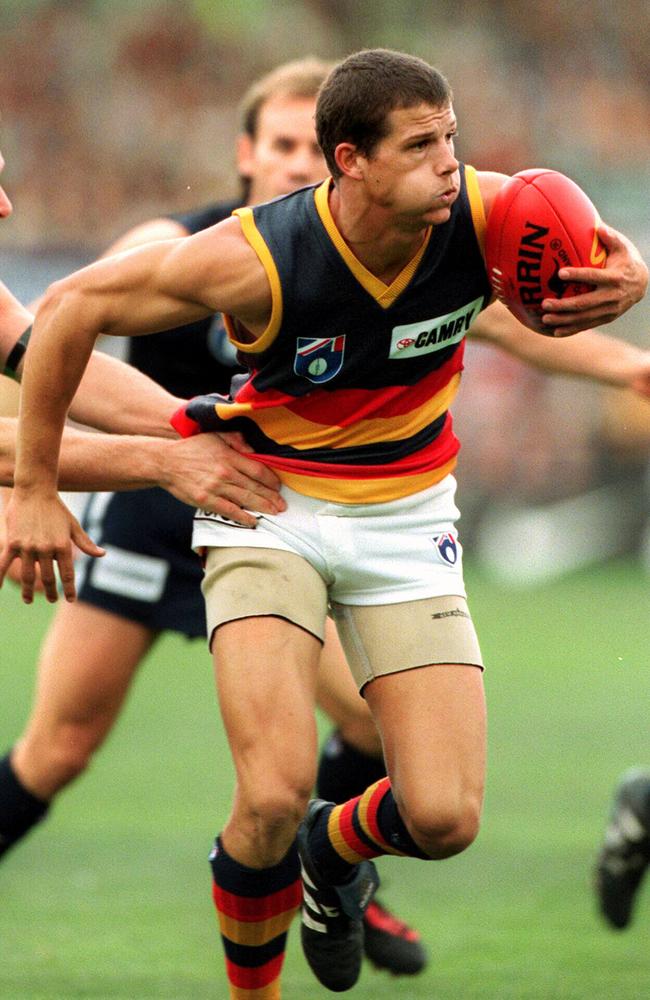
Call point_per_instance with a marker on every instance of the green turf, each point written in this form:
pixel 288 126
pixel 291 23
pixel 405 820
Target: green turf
pixel 111 898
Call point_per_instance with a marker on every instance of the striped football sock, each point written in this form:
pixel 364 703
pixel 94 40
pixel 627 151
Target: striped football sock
pixel 365 827
pixel 255 908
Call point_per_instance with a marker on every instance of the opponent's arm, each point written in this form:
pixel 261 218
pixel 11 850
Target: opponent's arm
pixel 589 354
pixel 617 287
pixel 202 472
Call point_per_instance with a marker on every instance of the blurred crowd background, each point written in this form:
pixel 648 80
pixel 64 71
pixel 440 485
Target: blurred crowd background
pixel 115 112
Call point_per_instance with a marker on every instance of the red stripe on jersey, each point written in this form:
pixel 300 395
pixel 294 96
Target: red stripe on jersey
pixel 246 978
pixel 256 909
pixel 438 453
pixel 343 407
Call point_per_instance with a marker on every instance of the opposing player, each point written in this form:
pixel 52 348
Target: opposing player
pixel 329 292
pixel 146 536
pixel 624 857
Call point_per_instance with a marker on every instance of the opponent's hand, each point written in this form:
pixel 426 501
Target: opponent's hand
pixel 213 472
pixel 40 531
pixel 618 286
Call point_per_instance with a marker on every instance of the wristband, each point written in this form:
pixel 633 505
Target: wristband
pixel 16 354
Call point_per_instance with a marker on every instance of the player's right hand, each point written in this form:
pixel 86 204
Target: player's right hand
pixel 214 472
pixel 41 532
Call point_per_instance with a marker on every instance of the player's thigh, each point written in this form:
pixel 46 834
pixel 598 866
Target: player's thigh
pixel 338 697
pixel 420 667
pixel 87 662
pixel 433 725
pixel 266 680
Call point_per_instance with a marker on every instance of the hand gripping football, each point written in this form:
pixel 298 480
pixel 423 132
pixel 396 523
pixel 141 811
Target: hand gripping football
pixel 539 222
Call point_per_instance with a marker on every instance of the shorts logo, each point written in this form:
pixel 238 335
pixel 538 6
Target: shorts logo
pixel 412 339
pixel 447 548
pixel 319 359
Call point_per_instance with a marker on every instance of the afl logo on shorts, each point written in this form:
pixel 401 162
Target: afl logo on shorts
pixel 447 548
pixel 404 342
pixel 319 358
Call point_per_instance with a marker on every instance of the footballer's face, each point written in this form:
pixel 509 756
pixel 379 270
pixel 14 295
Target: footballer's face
pixel 284 154
pixel 412 173
pixel 5 204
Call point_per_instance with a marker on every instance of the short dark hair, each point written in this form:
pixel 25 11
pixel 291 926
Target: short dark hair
pixel 358 95
pixel 299 78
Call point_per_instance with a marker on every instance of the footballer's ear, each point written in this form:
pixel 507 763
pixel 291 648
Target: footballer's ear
pixel 348 160
pixel 245 155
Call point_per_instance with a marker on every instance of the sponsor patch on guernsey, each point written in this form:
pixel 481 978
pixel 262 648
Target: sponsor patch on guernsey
pixel 413 339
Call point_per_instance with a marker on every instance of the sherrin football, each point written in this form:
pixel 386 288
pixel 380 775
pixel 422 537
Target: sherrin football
pixel 539 222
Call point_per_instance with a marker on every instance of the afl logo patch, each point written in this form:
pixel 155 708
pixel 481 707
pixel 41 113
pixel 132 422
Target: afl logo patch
pixel 446 548
pixel 404 342
pixel 319 359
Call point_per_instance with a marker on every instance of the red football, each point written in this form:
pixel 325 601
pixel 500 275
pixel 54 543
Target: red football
pixel 539 222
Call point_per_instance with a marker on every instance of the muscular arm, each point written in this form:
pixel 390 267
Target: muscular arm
pixel 112 396
pixel 151 288
pixel 589 354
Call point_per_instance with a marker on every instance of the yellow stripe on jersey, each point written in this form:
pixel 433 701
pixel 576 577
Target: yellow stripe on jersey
pixel 384 294
pixel 476 205
pixel 284 426
pixel 256 240
pixel 364 490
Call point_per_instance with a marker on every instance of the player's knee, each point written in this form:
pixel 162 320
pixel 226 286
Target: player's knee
pixel 64 754
pixel 273 816
pixel 442 829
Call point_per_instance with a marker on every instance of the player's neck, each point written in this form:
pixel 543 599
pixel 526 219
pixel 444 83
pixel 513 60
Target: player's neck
pixel 374 235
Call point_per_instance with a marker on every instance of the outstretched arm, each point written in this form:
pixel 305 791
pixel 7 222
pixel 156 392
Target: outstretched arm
pixel 589 354
pixel 152 288
pixel 204 471
pixel 112 396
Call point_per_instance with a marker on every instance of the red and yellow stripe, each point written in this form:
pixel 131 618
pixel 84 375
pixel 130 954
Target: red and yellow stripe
pixel 341 829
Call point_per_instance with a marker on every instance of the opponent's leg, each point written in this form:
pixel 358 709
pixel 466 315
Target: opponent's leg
pixel 351 759
pixel 88 659
pixel 624 858
pixel 266 678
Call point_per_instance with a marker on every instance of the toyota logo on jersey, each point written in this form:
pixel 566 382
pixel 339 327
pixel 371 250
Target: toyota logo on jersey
pixel 446 547
pixel 319 358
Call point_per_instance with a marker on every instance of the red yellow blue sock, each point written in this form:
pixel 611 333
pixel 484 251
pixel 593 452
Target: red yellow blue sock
pixel 361 828
pixel 255 908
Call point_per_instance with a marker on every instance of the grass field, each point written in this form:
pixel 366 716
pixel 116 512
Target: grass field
pixel 110 899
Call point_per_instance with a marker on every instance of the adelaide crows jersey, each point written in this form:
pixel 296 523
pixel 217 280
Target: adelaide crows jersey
pixel 349 386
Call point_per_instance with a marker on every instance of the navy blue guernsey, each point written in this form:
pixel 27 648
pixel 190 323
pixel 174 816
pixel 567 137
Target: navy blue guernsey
pixel 350 384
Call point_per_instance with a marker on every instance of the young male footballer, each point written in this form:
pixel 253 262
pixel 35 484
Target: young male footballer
pixel 337 297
